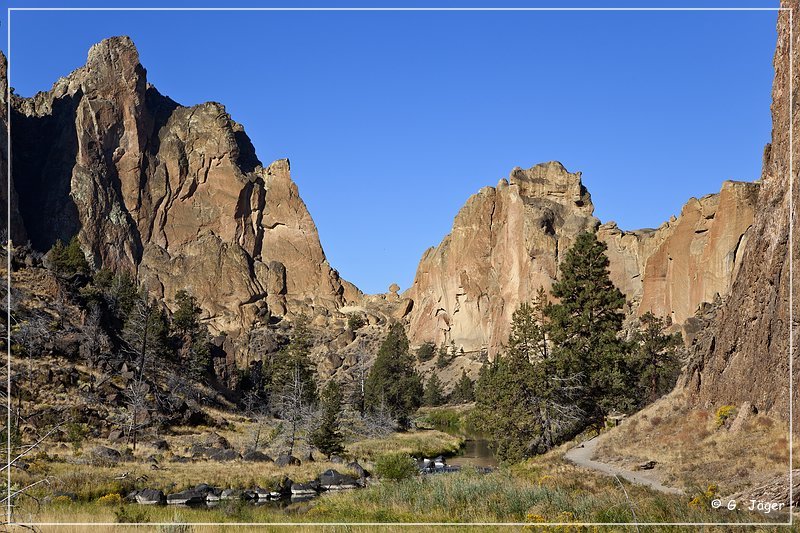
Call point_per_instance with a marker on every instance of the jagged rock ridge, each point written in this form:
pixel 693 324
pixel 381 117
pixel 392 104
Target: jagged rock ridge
pixel 175 194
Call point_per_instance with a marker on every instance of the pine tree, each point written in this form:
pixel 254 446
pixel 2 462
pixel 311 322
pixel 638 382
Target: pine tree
pixel 442 357
pixel 433 395
pixel 503 393
pixel 184 319
pixel 585 326
pixel 68 260
pixel 464 391
pixel 145 334
pixel 327 438
pixel 657 357
pixel 524 405
pixel 392 382
pixel 426 351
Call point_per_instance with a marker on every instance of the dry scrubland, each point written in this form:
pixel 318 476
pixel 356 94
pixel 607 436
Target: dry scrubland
pixel 729 446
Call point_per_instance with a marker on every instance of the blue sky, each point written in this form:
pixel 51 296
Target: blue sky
pixel 393 119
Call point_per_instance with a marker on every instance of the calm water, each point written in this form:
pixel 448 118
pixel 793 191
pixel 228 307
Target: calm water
pixel 476 452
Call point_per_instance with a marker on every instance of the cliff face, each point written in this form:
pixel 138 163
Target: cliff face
pixel 508 241
pixel 743 354
pixel 175 194
pixel 688 260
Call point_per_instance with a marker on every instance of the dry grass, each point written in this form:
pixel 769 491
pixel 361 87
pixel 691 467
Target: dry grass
pixel 693 451
pixel 427 443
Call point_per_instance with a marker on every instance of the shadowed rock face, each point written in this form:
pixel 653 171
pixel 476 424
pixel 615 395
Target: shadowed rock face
pixel 175 194
pixel 743 355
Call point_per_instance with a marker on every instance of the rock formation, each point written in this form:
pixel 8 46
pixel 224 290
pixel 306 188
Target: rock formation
pixel 175 194
pixel 688 260
pixel 744 353
pixel 16 231
pixel 508 241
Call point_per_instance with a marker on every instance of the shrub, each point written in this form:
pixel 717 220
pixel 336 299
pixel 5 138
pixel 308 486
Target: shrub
pixel 110 499
pixel 129 514
pixel 702 498
pixel 76 434
pixel 395 467
pixel 355 321
pixel 725 413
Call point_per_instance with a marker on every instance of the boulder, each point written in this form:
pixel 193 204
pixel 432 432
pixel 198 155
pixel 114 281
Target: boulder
pixel 256 456
pixel 224 455
pixel 305 489
pixel 333 480
pixel 150 497
pixel 231 494
pixel 359 470
pixel 104 454
pixel 187 497
pixel 285 459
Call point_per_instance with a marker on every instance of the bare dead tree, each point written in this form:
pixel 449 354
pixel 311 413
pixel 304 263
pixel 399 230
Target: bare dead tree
pixel 95 344
pixel 137 409
pixel 294 406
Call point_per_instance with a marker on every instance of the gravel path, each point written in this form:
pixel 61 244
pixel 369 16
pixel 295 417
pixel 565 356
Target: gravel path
pixel 582 455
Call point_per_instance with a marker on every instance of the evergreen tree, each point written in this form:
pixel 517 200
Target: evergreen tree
pixel 145 334
pixel 193 337
pixel 433 395
pixel 291 372
pixel 504 393
pixel 442 357
pixel 585 328
pixel 426 352
pixel 184 319
pixel 327 438
pixel 67 261
pixel 392 382
pixel 523 404
pixel 291 381
pixel 464 391
pixel 657 357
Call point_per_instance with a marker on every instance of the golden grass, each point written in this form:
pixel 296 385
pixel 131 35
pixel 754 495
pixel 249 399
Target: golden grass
pixel 692 450
pixel 426 443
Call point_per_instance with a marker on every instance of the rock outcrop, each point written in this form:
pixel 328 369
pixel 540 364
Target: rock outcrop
pixel 744 354
pixel 175 194
pixel 506 242
pixel 688 260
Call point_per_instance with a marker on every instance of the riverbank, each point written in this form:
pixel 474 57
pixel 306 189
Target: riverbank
pixel 545 489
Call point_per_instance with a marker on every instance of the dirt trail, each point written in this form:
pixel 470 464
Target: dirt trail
pixel 582 456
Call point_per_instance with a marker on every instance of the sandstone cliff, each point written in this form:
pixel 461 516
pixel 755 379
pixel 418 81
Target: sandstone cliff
pixel 743 355
pixel 175 194
pixel 688 260
pixel 507 241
